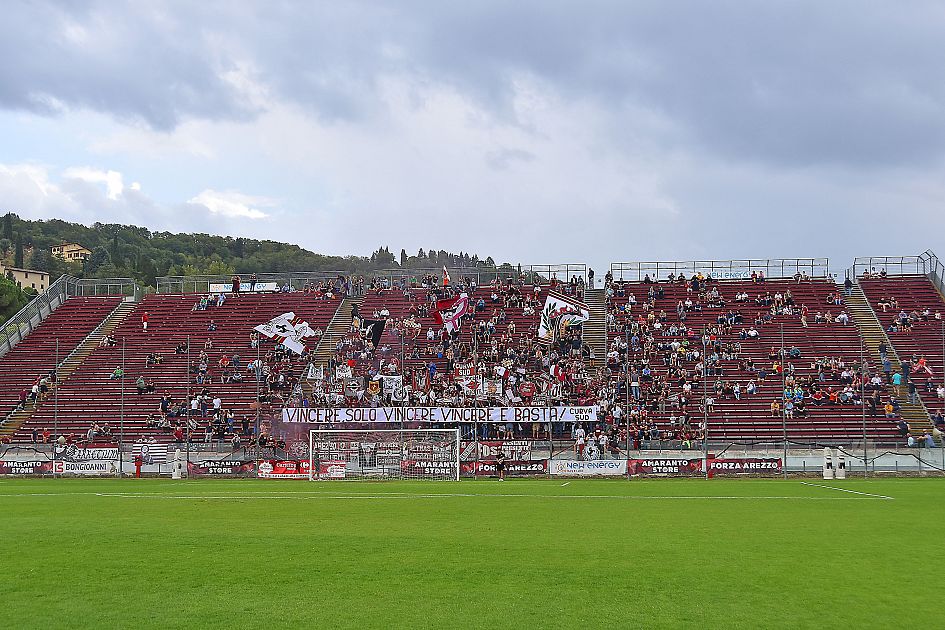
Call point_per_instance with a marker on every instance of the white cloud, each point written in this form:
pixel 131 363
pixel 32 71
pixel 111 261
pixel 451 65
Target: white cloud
pixel 114 184
pixel 32 192
pixel 143 142
pixel 232 204
pixel 32 175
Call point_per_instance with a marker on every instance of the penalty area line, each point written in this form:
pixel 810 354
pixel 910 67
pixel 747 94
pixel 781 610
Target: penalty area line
pixel 865 494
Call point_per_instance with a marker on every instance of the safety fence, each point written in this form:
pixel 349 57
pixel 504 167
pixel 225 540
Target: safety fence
pixel 389 278
pixel 926 263
pixel 530 458
pixel 721 269
pixel 39 308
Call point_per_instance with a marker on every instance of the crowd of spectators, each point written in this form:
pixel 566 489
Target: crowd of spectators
pixel 660 384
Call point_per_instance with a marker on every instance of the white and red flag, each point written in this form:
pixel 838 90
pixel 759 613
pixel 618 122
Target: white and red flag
pixel 449 313
pixel 288 330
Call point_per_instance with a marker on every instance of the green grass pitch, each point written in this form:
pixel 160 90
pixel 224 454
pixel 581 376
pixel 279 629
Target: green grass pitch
pixel 475 554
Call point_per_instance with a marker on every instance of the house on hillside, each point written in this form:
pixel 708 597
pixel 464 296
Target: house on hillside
pixel 26 278
pixel 71 252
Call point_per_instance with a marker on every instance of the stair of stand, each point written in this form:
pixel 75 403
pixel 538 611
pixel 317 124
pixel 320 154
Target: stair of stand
pixel 915 415
pixel 337 328
pixel 595 329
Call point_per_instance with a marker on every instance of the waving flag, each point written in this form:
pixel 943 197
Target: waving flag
pixel 449 313
pixel 446 276
pixel 372 329
pixel 559 314
pixel 288 330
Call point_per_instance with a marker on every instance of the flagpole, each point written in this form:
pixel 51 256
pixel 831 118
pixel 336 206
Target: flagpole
pixel 188 397
pixel 626 384
pixel 258 372
pixel 403 331
pixel 121 417
pixel 705 397
pixel 783 408
pixel 55 408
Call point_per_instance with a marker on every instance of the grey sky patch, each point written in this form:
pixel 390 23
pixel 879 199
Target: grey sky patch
pixel 645 129
pixel 501 159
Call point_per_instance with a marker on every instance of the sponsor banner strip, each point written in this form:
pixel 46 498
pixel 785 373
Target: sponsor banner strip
pixel 512 468
pixel 225 467
pixel 26 468
pixel 669 467
pixel 91 467
pixel 744 466
pixel 594 468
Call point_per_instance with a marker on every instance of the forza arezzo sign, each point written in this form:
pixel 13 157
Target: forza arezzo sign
pixel 745 466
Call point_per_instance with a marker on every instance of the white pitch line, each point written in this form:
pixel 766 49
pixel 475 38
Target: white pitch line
pixel 865 494
pixel 565 483
pixel 366 496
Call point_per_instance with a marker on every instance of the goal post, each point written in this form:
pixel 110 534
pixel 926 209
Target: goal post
pixel 431 454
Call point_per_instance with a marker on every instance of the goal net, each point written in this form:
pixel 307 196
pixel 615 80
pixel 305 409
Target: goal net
pixel 384 454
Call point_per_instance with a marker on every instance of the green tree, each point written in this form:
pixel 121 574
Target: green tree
pixel 114 251
pixel 96 261
pixel 41 260
pixel 12 299
pixel 8 226
pixel 18 252
pixel 219 268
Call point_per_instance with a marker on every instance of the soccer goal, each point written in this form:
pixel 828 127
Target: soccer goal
pixel 384 454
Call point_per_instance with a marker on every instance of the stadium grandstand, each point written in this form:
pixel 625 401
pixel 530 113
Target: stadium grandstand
pixel 668 355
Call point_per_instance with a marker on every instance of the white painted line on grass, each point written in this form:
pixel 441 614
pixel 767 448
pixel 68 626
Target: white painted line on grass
pixel 565 483
pixel 375 496
pixel 865 494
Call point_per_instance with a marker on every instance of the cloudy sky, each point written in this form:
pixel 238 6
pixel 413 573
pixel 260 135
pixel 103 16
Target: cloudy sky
pixel 535 132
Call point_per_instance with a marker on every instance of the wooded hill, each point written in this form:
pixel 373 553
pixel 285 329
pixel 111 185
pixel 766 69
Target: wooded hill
pixel 128 251
pixel 135 252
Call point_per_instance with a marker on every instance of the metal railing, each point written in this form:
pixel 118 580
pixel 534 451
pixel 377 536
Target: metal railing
pixel 926 263
pixel 297 280
pixel 721 269
pixel 89 287
pixel 30 316
pixel 15 329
